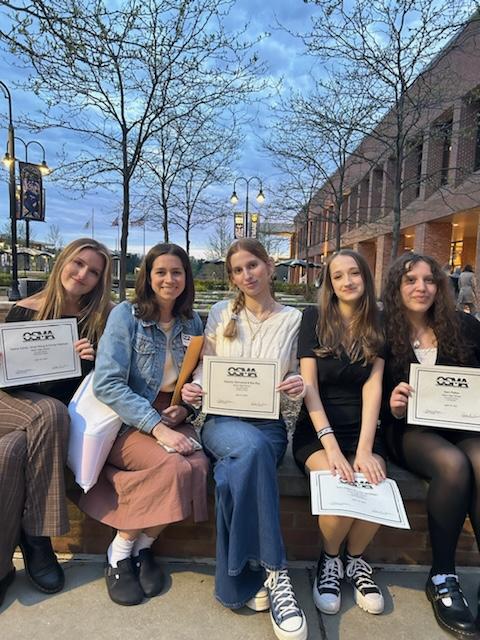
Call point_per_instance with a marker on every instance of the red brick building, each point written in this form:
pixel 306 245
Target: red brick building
pixel 440 198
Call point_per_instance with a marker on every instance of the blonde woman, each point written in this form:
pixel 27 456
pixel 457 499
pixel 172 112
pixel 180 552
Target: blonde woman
pixel 34 420
pixel 250 560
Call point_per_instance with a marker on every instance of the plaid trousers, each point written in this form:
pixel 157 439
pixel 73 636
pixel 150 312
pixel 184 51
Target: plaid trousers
pixel 37 458
pixel 13 450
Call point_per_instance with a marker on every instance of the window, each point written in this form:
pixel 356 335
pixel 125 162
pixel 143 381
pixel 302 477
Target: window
pixel 418 155
pixel 476 162
pixel 445 131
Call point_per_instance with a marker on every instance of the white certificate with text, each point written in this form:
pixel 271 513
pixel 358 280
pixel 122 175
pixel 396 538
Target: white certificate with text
pixel 38 351
pixel 241 387
pixel 445 396
pixel 380 503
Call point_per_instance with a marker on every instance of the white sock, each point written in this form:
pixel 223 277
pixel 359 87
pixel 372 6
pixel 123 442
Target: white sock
pixel 438 578
pixel 142 542
pixel 119 549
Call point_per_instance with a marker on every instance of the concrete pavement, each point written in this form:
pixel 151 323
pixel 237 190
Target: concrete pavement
pixel 186 610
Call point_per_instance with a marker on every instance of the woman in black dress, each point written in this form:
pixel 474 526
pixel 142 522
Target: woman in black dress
pixel 341 360
pixel 422 326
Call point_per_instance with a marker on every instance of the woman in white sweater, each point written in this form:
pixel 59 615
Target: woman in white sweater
pixel 251 563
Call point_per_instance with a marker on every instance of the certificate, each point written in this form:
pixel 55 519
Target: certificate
pixel 445 397
pixel 38 351
pixel 380 503
pixel 241 387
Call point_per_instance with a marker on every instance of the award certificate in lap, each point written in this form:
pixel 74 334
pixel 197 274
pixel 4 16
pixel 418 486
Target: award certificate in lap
pixel 444 396
pixel 241 387
pixel 38 351
pixel 380 503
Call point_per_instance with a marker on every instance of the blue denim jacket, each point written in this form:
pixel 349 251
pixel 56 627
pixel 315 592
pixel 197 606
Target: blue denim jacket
pixel 130 360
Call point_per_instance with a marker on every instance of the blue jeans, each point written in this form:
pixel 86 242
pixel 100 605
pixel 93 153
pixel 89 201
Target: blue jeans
pixel 245 454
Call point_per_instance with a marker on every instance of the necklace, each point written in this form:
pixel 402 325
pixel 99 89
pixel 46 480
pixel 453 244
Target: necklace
pixel 417 340
pixel 255 332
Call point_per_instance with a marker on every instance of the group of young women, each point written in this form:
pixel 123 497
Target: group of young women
pixel 351 356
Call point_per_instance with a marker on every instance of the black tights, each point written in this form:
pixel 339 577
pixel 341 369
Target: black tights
pixel 450 461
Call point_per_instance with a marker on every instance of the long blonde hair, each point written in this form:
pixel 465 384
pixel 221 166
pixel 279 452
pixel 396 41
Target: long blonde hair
pixel 95 304
pixel 257 249
pixel 366 337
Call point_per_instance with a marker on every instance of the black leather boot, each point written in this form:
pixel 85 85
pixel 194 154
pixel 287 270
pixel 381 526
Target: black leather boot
pixel 456 618
pixel 41 564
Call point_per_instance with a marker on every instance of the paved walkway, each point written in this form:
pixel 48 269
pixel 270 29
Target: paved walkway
pixel 186 609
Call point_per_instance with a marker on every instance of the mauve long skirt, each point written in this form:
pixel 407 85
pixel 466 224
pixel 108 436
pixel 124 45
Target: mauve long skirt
pixel 141 485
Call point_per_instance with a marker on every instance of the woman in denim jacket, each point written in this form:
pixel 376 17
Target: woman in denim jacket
pixel 143 486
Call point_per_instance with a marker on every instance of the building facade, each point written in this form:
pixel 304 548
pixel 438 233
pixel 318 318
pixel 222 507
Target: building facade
pixel 440 192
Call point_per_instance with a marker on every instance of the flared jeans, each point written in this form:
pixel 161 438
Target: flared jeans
pixel 245 454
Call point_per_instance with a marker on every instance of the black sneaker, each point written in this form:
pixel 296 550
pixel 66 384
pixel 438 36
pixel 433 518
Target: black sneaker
pixel 451 608
pixel 365 592
pixel 122 583
pixel 326 588
pixel 288 620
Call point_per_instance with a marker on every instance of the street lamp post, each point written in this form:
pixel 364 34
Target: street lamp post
pixel 44 169
pixel 260 198
pixel 14 293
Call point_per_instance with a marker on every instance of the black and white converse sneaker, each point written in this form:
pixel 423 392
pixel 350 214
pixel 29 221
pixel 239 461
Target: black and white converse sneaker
pixel 365 592
pixel 326 588
pixel 288 620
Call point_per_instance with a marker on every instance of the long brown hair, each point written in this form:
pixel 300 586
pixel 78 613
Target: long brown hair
pixel 441 316
pixel 366 338
pixel 147 307
pixel 95 305
pixel 257 249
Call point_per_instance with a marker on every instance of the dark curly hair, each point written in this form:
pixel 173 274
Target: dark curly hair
pixel 146 303
pixel 441 316
pixel 366 335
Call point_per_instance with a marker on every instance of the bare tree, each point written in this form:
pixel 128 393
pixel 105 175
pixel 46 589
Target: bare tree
pixel 397 45
pixel 221 237
pixel 118 77
pixel 317 133
pixel 189 159
pixel 54 237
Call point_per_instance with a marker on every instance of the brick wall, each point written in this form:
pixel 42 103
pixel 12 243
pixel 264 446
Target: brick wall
pixel 300 530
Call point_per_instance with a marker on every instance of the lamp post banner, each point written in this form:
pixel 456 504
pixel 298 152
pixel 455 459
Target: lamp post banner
pixel 31 200
pixel 239 225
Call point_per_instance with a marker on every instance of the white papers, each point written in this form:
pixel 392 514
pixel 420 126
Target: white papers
pixel 243 388
pixel 381 503
pixel 444 396
pixel 38 351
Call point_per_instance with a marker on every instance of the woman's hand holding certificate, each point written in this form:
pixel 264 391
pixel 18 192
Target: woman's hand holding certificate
pixel 445 397
pixel 40 351
pixel 245 388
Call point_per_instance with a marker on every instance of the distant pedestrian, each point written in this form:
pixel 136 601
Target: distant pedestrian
pixel 454 276
pixel 467 291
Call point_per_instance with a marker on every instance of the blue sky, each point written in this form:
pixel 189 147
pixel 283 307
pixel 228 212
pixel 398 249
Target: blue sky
pixel 283 56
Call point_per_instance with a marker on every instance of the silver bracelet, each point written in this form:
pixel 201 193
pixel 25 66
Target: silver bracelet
pixel 324 432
